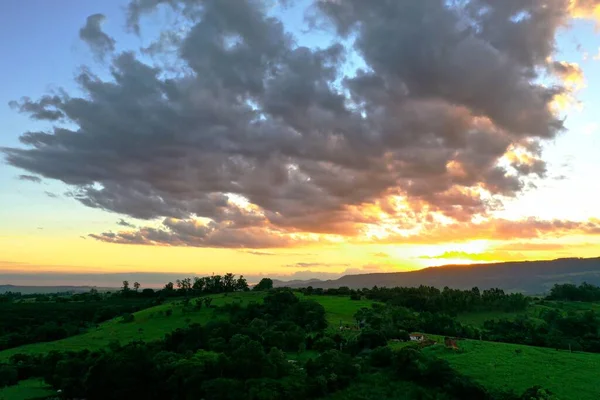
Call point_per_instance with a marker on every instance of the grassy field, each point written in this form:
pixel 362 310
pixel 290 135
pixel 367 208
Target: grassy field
pixel 570 376
pixel 149 324
pixel 339 308
pixel 26 390
pixel 153 323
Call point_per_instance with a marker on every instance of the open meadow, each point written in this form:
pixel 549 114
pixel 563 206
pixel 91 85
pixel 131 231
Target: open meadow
pixel 570 376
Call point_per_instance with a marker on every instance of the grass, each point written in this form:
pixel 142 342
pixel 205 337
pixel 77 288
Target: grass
pixel 339 308
pixel 152 323
pixel 29 389
pixel 570 376
pixel 149 324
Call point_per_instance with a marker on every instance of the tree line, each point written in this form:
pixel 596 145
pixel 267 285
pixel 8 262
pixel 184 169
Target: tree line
pixel 431 299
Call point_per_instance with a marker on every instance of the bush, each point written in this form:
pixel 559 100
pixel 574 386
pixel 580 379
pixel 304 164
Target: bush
pixel 8 375
pixel 381 357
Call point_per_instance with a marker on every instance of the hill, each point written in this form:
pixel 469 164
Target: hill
pixel 155 322
pixel 531 277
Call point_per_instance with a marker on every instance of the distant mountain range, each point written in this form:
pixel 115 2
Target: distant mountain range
pixel 531 277
pixel 50 289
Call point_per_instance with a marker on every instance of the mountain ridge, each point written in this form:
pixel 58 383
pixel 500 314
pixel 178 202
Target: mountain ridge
pixel 532 277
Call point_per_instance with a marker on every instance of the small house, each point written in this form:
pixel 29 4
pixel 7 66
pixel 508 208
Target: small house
pixel 417 337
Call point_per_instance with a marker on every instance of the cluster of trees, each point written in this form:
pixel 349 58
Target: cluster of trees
pixel 394 322
pixel 431 299
pixel 244 357
pixel 30 322
pixel 190 287
pixel 571 292
pixel 577 331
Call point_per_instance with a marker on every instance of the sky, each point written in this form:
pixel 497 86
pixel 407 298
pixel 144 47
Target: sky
pixel 294 139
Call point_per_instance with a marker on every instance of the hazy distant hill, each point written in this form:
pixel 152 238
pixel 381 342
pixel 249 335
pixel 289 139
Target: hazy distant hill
pixel 49 289
pixel 531 277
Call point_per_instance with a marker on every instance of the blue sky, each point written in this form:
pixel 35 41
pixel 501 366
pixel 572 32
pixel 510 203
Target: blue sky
pixel 41 51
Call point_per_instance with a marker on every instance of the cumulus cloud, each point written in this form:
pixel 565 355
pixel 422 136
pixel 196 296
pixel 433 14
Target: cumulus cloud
pixel 496 229
pixel 247 140
pixel 91 33
pixel 30 178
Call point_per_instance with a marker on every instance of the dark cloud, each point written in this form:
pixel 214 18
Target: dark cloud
pixel 51 195
pixel 246 139
pixel 124 223
pixel 100 43
pixel 30 178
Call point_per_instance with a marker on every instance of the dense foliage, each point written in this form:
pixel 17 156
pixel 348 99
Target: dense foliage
pixel 570 292
pixel 246 357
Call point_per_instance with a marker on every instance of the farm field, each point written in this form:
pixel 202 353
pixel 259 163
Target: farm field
pixel 570 376
pixel 30 389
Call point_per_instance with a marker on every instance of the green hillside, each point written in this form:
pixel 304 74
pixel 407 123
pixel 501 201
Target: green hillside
pixel 154 323
pixel 149 324
pixel 570 376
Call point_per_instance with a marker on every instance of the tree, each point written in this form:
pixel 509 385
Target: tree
pixel 169 287
pixel 264 284
pixel 241 284
pixel 125 286
pixel 229 282
pixel 136 286
pixel 198 284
